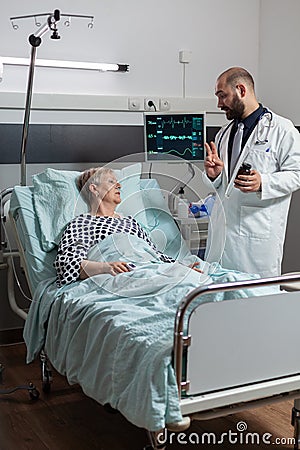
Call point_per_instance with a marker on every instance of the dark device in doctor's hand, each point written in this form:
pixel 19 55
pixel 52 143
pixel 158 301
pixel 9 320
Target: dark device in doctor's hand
pixel 245 169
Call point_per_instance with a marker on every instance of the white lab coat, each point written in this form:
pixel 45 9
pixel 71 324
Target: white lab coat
pixel 247 230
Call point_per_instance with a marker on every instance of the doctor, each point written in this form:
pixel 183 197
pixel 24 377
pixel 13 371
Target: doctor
pixel 248 222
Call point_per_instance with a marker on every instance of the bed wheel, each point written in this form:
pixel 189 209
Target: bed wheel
pixel 154 442
pixel 150 447
pixel 33 392
pixel 46 387
pixel 297 435
pixel 296 425
pixel 46 374
pixel 46 380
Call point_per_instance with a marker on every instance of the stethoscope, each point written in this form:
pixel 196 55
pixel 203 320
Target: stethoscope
pixel 265 140
pixel 258 141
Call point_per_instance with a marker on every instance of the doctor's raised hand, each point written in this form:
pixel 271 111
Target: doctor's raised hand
pixel 213 164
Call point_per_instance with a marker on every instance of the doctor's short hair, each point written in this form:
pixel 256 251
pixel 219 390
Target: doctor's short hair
pixel 88 177
pixel 235 75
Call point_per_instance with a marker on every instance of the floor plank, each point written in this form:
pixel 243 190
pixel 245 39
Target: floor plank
pixel 68 420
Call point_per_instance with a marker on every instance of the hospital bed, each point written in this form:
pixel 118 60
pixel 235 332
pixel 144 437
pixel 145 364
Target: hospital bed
pixel 227 355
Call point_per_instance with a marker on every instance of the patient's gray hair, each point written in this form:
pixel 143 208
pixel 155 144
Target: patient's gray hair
pixel 88 177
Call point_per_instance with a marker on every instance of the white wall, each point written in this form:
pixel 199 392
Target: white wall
pixel 146 35
pixel 279 63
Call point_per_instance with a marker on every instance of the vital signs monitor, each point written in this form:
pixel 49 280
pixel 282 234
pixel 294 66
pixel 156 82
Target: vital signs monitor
pixel 170 135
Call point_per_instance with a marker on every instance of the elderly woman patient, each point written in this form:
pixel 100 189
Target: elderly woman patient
pixel 101 191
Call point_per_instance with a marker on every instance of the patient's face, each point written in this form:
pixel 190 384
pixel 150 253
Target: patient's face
pixel 109 189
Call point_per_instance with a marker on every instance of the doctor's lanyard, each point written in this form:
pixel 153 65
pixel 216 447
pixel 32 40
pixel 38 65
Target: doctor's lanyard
pixel 257 141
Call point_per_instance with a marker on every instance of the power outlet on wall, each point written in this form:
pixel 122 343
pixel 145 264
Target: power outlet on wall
pixel 134 103
pixel 164 104
pixel 151 104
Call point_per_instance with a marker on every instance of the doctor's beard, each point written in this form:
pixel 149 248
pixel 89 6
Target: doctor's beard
pixel 236 110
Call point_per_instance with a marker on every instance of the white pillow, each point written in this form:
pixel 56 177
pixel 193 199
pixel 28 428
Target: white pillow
pixel 57 200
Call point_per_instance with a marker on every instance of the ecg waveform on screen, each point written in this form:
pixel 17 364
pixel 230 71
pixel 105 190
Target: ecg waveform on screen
pixel 173 123
pixel 173 151
pixel 171 137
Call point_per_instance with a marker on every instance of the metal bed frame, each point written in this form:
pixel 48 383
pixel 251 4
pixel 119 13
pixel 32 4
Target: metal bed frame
pixel 6 262
pixel 202 407
pixel 236 399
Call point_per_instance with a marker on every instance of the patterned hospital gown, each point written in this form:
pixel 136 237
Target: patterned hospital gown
pixel 85 231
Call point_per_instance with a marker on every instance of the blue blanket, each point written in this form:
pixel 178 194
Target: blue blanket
pixel 114 335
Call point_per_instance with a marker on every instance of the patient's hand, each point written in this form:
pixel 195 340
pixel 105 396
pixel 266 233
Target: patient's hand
pixel 118 267
pixel 91 268
pixel 194 267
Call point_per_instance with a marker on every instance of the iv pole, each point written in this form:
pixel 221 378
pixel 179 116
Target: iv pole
pixel 35 41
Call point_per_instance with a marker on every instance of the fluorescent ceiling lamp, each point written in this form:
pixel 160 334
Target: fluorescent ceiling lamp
pixel 100 67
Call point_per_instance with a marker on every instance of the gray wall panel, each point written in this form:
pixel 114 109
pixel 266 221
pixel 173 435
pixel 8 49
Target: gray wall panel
pixel 70 143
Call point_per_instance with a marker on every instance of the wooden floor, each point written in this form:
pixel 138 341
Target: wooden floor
pixel 68 420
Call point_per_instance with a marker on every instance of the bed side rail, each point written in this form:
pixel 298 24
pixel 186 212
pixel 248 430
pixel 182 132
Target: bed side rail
pixel 4 198
pixel 7 255
pixel 180 340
